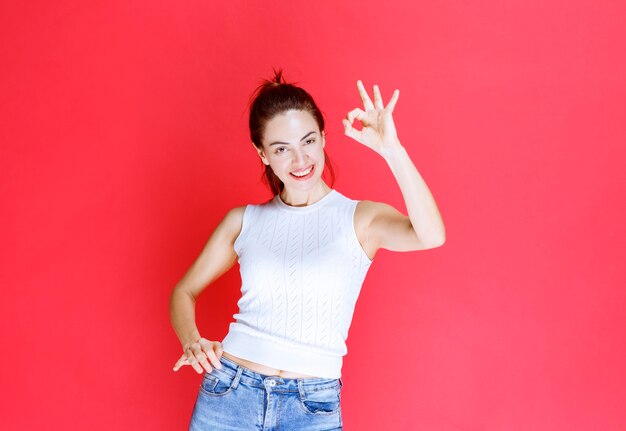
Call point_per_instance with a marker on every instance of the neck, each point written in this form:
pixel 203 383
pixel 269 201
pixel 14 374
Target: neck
pixel 300 198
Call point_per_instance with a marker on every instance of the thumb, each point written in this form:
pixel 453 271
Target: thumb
pixel 350 131
pixel 219 349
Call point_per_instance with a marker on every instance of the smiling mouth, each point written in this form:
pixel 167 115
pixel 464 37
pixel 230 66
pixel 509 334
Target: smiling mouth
pixel 303 174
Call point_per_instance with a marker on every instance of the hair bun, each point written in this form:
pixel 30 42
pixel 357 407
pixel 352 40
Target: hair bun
pixel 278 77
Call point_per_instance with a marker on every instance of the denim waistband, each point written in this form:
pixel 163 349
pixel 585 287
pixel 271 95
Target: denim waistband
pixel 232 371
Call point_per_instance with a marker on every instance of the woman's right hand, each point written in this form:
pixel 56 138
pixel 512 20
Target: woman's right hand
pixel 197 353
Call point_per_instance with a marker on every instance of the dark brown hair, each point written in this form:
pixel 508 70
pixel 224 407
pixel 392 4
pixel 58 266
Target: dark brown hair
pixel 273 97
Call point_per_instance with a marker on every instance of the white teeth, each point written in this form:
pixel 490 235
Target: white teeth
pixel 301 174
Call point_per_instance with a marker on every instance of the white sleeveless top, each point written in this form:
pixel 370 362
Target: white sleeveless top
pixel 302 269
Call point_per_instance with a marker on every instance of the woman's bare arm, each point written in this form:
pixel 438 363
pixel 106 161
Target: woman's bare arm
pixel 217 257
pixel 386 226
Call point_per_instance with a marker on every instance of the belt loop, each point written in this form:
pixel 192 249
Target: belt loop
pixel 301 389
pixel 237 377
pixel 340 383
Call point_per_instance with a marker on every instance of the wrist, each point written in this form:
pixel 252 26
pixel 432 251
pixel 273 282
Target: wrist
pixel 188 342
pixel 394 152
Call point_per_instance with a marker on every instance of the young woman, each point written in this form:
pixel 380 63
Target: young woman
pixel 303 256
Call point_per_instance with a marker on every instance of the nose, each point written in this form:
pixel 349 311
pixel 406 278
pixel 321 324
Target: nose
pixel 299 158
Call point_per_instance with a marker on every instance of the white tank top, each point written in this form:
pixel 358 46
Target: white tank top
pixel 302 269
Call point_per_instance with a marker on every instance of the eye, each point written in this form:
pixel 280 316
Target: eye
pixel 310 140
pixel 278 150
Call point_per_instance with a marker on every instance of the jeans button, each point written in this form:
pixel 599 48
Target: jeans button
pixel 272 383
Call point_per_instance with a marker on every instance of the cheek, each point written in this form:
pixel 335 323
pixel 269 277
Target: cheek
pixel 315 150
pixel 280 164
pixel 319 155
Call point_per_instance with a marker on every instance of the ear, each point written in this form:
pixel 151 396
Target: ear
pixel 323 139
pixel 261 154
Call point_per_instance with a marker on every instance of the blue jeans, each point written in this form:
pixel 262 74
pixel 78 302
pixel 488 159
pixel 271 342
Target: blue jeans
pixel 238 398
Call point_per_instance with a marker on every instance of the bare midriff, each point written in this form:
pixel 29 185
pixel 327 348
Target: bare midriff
pixel 263 369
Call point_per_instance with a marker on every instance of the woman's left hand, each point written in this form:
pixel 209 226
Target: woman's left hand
pixel 379 131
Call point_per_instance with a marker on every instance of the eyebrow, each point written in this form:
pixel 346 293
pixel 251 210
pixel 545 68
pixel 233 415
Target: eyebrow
pixel 286 143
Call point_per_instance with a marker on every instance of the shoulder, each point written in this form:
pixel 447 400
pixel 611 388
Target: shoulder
pixel 234 216
pixel 367 211
pixel 236 213
pixel 364 210
pixel 366 215
pixel 233 220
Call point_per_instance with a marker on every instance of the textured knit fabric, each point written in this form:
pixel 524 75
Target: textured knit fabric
pixel 302 269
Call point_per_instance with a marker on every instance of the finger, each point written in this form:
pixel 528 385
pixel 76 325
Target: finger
pixel 219 349
pixel 378 100
pixel 357 113
pixel 351 131
pixel 213 358
pixel 195 363
pixel 367 102
pixel 203 360
pixel 213 350
pixel 182 361
pixel 394 99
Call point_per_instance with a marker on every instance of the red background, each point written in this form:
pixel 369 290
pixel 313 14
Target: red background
pixel 124 141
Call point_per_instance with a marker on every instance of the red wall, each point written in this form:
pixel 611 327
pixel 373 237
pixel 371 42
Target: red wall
pixel 124 142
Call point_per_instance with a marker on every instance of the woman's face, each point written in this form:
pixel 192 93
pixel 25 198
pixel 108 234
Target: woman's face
pixel 293 144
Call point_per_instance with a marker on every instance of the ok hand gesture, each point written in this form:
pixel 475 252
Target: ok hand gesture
pixel 379 131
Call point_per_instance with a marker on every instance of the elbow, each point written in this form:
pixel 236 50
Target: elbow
pixel 437 243
pixel 180 293
pixel 441 238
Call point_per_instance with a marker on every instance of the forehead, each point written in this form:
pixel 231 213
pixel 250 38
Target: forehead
pixel 291 125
